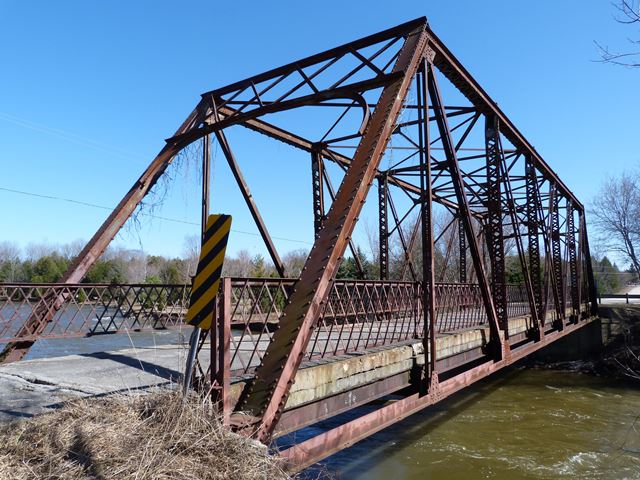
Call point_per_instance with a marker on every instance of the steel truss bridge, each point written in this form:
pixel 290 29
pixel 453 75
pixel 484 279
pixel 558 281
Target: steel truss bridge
pixel 411 131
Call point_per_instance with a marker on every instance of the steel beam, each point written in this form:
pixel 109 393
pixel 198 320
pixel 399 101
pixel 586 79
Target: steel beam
pixel 430 372
pixel 383 228
pixel 533 236
pixel 591 285
pixel 451 67
pixel 406 246
pixel 462 249
pixel 315 412
pixel 556 256
pixel 317 188
pixel 272 131
pixel 321 446
pixel 409 255
pixel 574 288
pixel 494 232
pixel 510 202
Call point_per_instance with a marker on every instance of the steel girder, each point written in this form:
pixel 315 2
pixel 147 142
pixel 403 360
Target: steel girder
pixel 317 188
pixel 572 248
pixel 533 233
pixel 494 229
pixel 557 279
pixel 383 227
pixel 430 378
pixel 462 252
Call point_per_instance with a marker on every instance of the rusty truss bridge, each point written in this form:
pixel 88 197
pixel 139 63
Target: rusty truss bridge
pixel 394 121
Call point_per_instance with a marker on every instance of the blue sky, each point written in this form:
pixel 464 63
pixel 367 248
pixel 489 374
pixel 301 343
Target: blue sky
pixel 90 90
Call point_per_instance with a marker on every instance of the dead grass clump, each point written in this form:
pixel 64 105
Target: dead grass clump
pixel 147 437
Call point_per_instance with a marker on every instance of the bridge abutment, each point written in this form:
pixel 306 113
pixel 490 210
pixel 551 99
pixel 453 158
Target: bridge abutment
pixel 583 344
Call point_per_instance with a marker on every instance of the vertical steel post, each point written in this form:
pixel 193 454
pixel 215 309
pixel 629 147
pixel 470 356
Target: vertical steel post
pixel 383 227
pixel 591 284
pixel 462 248
pixel 533 232
pixel 223 326
pixel 556 256
pixel 317 186
pixel 582 286
pixel 536 331
pixel 494 226
pixel 574 288
pixel 426 218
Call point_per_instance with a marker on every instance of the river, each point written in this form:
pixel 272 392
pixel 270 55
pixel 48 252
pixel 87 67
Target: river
pixel 520 424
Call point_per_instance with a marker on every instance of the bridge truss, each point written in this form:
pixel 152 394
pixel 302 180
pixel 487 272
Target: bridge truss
pixel 406 127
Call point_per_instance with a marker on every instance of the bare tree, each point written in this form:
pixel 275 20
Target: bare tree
pixel 35 251
pixel 294 262
pixel 72 249
pixel 616 209
pixel 9 261
pixel 240 266
pixel 135 265
pixel 191 253
pixel 628 14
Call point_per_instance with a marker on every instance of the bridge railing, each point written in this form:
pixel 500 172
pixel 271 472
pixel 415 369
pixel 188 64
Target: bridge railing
pixel 458 306
pixel 357 315
pixel 90 309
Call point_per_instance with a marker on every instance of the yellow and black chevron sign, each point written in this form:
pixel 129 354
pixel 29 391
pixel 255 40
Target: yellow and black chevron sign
pixel 207 280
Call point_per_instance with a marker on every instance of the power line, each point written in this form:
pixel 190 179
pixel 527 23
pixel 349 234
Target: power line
pixel 65 135
pixel 102 207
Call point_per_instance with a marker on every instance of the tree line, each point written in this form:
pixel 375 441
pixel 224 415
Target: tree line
pixel 46 263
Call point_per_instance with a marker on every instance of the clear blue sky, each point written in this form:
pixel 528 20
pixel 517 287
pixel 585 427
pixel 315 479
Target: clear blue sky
pixel 89 90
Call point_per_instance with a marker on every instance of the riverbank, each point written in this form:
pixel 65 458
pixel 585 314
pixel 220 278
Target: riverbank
pixel 619 355
pixel 142 437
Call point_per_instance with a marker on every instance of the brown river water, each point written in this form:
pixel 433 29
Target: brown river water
pixel 522 423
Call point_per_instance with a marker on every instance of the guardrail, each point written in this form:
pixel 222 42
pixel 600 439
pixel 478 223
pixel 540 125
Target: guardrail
pixel 619 298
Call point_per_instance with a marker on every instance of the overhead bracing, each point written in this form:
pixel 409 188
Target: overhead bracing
pixel 424 156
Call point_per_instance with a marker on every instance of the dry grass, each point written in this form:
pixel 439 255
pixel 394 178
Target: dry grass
pixel 147 437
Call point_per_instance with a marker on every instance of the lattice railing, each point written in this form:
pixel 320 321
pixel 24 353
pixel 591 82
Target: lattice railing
pixel 357 315
pixel 90 309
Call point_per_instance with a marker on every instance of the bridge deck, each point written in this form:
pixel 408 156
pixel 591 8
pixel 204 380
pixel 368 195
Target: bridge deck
pixel 32 386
